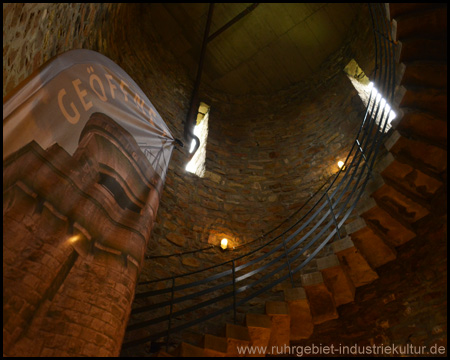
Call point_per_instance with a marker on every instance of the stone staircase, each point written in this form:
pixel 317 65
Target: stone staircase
pixel 407 183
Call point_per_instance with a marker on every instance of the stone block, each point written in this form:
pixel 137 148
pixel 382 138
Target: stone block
pixel 412 180
pixel 237 336
pixel 399 204
pixel 365 204
pixel 392 230
pixel 391 140
pixel 259 328
pixel 354 262
pixel 355 225
pixel 337 280
pixel 375 250
pixel 322 305
pixel 302 325
pixel 188 350
pixel 215 346
pixel 374 184
pixel 384 162
pixel 281 322
pixel 294 294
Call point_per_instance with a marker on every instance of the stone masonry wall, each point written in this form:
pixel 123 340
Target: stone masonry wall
pixel 34 33
pixel 265 156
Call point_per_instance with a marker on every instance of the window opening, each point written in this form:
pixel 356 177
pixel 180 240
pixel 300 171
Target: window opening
pixel 116 190
pixel 365 89
pixel 197 164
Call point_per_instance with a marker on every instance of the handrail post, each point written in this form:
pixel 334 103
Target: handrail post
pixel 334 217
pixel 234 291
pixel 287 260
pixel 170 313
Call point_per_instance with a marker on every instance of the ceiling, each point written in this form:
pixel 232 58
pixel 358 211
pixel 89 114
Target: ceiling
pixel 271 48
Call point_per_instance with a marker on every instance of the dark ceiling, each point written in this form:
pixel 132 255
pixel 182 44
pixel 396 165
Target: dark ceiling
pixel 272 47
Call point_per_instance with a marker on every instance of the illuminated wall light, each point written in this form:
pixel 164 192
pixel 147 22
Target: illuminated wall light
pixel 73 239
pixel 224 243
pixel 341 165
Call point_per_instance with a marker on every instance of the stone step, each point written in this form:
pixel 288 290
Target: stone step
pixel 373 247
pixel 279 314
pixel 423 127
pixel 302 325
pixel 430 23
pixel 365 204
pixel 431 74
pixel 336 279
pixel 387 227
pixel 357 224
pixel 259 328
pixel 399 9
pixel 433 101
pixel 394 201
pixel 418 48
pixel 368 206
pixel 354 263
pixel 188 350
pixel 322 305
pixel 236 336
pixel 375 183
pixel 408 180
pixel 429 159
pixel 215 346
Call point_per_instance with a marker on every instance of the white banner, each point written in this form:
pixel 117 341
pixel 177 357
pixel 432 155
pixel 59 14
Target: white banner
pixel 57 100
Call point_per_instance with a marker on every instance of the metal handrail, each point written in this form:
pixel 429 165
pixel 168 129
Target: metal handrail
pixel 287 256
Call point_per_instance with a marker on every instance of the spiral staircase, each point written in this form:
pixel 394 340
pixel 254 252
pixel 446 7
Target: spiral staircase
pixel 406 187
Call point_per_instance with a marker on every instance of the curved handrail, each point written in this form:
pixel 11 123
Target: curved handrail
pixel 296 248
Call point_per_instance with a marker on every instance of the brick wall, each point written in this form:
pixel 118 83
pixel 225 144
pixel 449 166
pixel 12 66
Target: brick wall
pixel 265 155
pixel 34 33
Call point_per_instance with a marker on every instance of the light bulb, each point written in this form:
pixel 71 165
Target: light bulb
pixel 73 239
pixel 224 244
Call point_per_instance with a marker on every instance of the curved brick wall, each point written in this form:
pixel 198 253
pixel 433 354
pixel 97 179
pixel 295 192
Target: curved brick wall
pixel 265 156
pixel 34 33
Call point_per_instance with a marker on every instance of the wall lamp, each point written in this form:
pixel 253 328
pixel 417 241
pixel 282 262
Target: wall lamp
pixel 224 243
